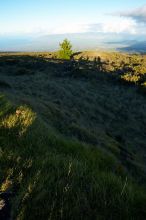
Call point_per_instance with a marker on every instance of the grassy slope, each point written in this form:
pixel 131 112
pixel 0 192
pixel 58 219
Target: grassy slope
pixel 79 153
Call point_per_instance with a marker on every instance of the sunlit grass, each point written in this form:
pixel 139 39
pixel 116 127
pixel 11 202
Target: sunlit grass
pixel 23 117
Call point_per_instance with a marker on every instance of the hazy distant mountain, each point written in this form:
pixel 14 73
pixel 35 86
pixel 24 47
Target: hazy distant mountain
pixel 80 41
pixel 135 47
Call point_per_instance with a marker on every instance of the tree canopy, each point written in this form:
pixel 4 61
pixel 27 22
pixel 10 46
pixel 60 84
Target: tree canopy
pixel 65 51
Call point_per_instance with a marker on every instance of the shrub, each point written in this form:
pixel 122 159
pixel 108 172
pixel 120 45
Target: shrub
pixel 131 78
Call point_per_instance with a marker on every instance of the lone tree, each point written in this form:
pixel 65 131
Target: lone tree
pixel 65 51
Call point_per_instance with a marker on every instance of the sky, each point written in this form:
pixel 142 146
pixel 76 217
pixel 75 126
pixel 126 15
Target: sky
pixel 29 21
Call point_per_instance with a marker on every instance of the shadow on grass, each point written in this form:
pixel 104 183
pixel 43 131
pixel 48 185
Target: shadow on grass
pixel 124 71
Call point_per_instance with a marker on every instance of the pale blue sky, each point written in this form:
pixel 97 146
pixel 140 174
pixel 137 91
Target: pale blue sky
pixel 35 18
pixel 18 16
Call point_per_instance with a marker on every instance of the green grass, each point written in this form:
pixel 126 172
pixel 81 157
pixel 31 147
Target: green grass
pixel 56 178
pixel 70 147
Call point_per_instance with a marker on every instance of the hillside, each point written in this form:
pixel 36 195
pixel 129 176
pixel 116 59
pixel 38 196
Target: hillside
pixel 72 136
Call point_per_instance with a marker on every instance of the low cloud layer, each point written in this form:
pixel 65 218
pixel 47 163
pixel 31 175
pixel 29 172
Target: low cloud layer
pixel 138 14
pixel 120 25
